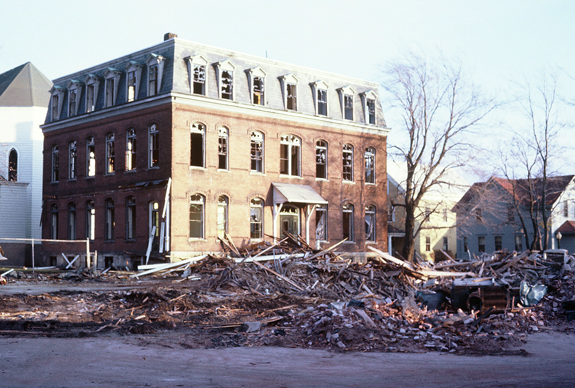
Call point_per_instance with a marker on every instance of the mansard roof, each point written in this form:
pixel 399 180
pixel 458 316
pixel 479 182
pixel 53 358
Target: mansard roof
pixel 24 85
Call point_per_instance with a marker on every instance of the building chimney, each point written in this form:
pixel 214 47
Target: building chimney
pixel 169 35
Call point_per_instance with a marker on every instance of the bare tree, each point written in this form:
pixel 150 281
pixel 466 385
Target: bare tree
pixel 440 108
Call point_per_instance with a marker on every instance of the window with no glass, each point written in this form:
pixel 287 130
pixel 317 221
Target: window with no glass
pixel 348 106
pixel 13 166
pixel 321 159
pixel 153 146
pixel 197 132
pixel 72 159
pixel 130 218
pixel 199 79
pixel 222 216
pixel 71 221
pixel 291 96
pixel 321 223
pixel 197 216
pixel 90 220
pixel 222 148
pixel 130 149
pixel 54 222
pixel 256 216
pixel 290 155
pixel 90 157
pixel 370 223
pixel 348 222
pixel 257 151
pixel 110 153
pixel 348 162
pixel 55 163
pixel 258 96
pixel 370 165
pixel 110 222
pixel 153 80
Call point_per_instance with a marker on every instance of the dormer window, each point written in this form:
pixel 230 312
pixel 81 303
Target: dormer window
pixel 155 64
pixel 134 75
pixel 112 77
pixel 74 91
pixel 368 99
pixel 257 85
pixel 92 87
pixel 320 97
pixel 57 101
pixel 346 95
pixel 197 71
pixel 225 80
pixel 289 91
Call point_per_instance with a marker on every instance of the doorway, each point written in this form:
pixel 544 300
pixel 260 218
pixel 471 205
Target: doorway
pixel 289 221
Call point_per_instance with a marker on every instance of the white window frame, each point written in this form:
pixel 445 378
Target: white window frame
pixel 115 75
pixel 257 72
pixel 110 153
pixel 349 92
pixel 192 62
pixel 321 214
pixel 153 145
pixel 347 149
pixel 131 145
pixel 316 88
pixel 55 171
pixel 257 137
pixel 198 129
pixel 291 141
pixel 371 211
pixel 159 61
pixel 223 147
pixel 201 202
pixel 370 151
pixel 72 160
pixel 286 80
pixel 323 147
pixel 222 211
pixel 90 220
pixel 131 219
pixel 369 95
pixel 56 102
pixel 257 203
pixel 90 160
pixel 136 68
pixel 74 88
pixel 348 208
pixel 92 81
pixel 228 67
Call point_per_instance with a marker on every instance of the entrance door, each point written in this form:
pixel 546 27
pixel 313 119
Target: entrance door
pixel 289 220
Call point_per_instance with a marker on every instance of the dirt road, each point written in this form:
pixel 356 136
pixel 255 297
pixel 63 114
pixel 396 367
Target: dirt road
pixel 160 361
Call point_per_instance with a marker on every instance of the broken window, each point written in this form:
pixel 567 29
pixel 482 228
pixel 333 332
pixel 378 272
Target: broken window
pixel 445 244
pixel 72 159
pixel 322 102
pixel 90 102
pixel 227 86
pixel 197 216
pixel 13 166
pixel 71 221
pixel 370 111
pixel 258 97
pixel 290 155
pixel 370 223
pixel 130 218
pixel 110 153
pixel 131 86
pixel 498 243
pixel 109 92
pixel 427 244
pixel 130 149
pixel 222 216
pixel 481 244
pixel 199 81
pixel 370 165
pixel 348 162
pixel 348 106
pixel 54 222
pixel 321 159
pixel 72 95
pixel 110 222
pixel 222 148
pixel 154 224
pixel 256 213
pixel 55 102
pixel 153 80
pixel 348 222
pixel 90 220
pixel 257 151
pixel 321 223
pixel 291 96
pixel 90 157
pixel 153 146
pixel 55 163
pixel 197 132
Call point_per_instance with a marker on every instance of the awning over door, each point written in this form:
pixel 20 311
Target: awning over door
pixel 304 194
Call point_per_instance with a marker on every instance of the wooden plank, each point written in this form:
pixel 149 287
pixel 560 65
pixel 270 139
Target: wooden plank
pixel 328 249
pixel 169 265
pixel 278 275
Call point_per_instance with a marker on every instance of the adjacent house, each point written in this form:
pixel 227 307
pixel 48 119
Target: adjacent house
pixel 505 214
pixel 24 98
pixel 163 152
pixel 435 219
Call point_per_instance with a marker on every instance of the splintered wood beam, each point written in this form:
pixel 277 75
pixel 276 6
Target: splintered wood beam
pixel 278 275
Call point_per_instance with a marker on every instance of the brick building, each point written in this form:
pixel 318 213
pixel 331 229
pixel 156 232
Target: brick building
pixel 175 145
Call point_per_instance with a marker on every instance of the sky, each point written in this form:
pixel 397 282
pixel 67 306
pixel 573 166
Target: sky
pixel 498 41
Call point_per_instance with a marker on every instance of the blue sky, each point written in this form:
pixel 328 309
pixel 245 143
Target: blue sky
pixel 497 40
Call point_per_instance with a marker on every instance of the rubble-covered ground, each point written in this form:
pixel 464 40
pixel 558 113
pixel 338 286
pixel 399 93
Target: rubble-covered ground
pixel 322 302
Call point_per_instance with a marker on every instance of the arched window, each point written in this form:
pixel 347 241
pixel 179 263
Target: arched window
pixel 110 221
pixel 222 148
pixel 90 220
pixel 55 163
pixel 54 221
pixel 256 218
pixel 130 218
pixel 321 159
pixel 13 166
pixel 153 146
pixel 290 154
pixel 154 223
pixel 197 202
pixel 347 162
pixel 72 159
pixel 110 153
pixel 71 221
pixel 197 132
pixel 90 156
pixel 348 222
pixel 370 165
pixel 130 149
pixel 257 151
pixel 222 216
pixel 370 224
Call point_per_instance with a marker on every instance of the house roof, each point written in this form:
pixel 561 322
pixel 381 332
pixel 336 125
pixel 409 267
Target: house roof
pixel 24 85
pixel 521 189
pixel 568 227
